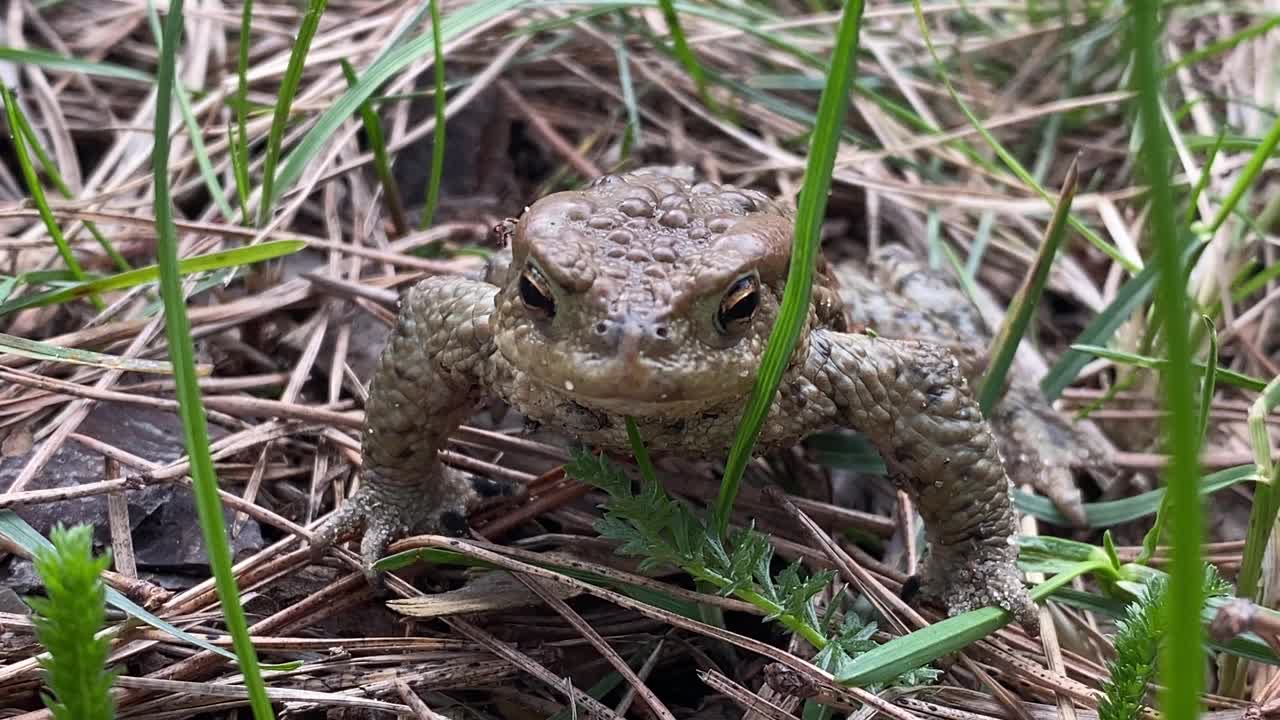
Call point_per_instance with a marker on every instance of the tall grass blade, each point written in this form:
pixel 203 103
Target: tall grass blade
pixel 832 109
pixel 381 161
pixel 201 263
pixel 1107 513
pixel 384 68
pixel 239 137
pixel 1223 45
pixel 1024 304
pixel 51 170
pixel 54 61
pixel 48 352
pixel 284 101
pixel 1182 660
pixel 915 650
pixel 1230 377
pixel 1131 296
pixel 37 190
pixel 16 530
pixel 438 132
pixel 685 53
pixel 1247 177
pixel 1007 158
pixel 1262 520
pixel 181 353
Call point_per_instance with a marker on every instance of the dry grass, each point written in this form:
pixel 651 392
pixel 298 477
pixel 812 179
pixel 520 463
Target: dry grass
pixel 284 342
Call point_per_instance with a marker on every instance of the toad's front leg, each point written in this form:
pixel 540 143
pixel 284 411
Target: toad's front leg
pixel 428 380
pixel 912 402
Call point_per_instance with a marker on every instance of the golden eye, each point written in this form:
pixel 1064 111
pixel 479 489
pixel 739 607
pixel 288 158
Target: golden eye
pixel 535 292
pixel 739 305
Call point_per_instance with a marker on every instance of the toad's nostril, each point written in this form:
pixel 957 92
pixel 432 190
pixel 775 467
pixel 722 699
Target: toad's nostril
pixel 661 331
pixel 602 328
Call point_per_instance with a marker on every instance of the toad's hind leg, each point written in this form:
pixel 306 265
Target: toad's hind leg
pixel 1040 446
pixel 427 382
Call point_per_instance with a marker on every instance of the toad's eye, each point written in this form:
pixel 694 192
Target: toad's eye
pixel 739 305
pixel 535 292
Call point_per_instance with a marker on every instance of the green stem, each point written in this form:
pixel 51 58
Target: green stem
pixel 790 621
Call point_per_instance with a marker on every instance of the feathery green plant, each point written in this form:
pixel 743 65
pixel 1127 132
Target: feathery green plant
pixel 67 621
pixel 660 530
pixel 1137 645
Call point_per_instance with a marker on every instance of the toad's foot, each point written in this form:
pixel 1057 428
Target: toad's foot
pixel 389 511
pixel 987 576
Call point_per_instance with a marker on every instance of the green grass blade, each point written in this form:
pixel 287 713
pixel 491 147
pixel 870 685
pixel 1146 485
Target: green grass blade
pixel 1262 521
pixel 284 101
pixel 1136 291
pixel 1206 174
pixel 51 170
pixel 384 68
pixel 1208 383
pixel 641 452
pixel 1109 513
pixel 54 61
pixel 194 131
pixel 48 352
pixel 832 109
pixel 182 354
pixel 625 82
pixel 438 132
pixel 239 137
pixel 37 190
pixel 685 53
pixel 1009 160
pixel 1222 45
pixel 1183 653
pixel 17 531
pixel 1230 377
pixel 1247 177
pixel 1015 326
pixel 381 162
pixel 201 263
pixel 915 650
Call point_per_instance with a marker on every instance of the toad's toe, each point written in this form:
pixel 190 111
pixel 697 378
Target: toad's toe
pixel 985 580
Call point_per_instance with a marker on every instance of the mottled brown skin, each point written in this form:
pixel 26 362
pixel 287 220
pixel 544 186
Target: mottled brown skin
pixel 899 296
pixel 651 296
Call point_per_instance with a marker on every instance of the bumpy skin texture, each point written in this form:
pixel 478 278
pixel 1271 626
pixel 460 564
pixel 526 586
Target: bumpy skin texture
pixel 898 296
pixel 653 296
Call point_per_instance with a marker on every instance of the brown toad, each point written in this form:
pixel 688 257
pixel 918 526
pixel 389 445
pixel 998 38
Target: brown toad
pixel 652 296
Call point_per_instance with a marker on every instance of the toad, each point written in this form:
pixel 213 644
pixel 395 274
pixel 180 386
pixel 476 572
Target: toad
pixel 651 295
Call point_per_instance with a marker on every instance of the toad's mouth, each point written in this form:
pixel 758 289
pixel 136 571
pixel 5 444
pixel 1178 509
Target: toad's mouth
pixel 635 388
